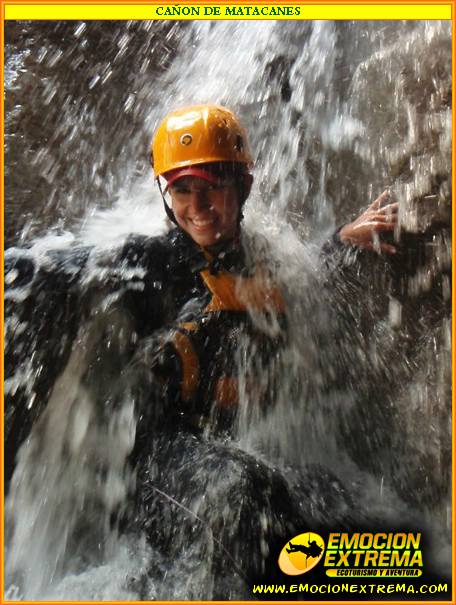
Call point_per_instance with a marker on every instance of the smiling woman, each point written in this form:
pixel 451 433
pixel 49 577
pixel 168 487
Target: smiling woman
pixel 208 213
pixel 202 154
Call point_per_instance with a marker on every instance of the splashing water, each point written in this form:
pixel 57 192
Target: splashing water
pixel 335 112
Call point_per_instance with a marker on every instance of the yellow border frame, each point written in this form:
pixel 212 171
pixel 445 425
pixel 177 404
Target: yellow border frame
pixel 118 10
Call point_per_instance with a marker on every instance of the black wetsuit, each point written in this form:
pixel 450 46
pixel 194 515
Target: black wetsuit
pixel 148 305
pixel 153 288
pixel 187 486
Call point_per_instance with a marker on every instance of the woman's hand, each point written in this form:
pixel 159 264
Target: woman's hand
pixel 381 216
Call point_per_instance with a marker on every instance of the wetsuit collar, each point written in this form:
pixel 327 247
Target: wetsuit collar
pixel 227 255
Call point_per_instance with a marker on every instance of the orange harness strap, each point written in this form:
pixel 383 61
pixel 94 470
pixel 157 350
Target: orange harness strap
pixel 190 364
pixel 235 293
pixel 229 293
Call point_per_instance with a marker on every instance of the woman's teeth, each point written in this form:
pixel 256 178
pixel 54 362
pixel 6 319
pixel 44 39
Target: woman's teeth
pixel 201 222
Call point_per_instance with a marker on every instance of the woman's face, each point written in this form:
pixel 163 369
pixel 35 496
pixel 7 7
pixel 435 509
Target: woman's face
pixel 208 213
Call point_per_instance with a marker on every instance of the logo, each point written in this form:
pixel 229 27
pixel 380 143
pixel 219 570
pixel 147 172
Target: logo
pixel 301 553
pixel 380 554
pixel 186 139
pixel 374 554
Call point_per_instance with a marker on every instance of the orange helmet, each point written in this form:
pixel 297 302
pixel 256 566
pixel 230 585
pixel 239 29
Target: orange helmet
pixel 199 134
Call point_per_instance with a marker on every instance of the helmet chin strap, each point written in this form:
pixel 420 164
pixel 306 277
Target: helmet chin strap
pixel 169 212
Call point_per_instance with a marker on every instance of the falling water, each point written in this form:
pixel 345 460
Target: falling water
pixel 336 111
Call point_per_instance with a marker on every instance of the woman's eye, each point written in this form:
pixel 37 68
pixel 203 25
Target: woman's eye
pixel 187 190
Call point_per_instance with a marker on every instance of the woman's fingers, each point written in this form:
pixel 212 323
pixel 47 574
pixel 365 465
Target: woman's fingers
pixel 389 217
pixel 390 209
pixel 393 208
pixel 383 198
pixel 383 226
pixel 374 225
